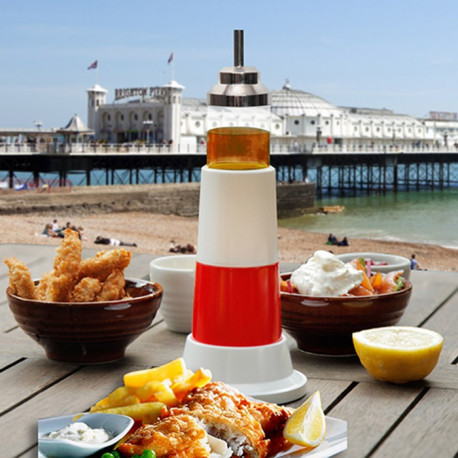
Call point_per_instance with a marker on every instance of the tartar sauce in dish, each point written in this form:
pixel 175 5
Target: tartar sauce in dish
pixel 80 432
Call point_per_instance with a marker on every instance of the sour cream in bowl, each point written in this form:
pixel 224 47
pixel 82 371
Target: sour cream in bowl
pixel 81 435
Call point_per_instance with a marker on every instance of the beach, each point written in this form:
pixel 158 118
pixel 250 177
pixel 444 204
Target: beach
pixel 154 234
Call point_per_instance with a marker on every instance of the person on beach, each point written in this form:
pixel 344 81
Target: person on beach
pixel 112 242
pixel 414 263
pixel 48 232
pixel 343 242
pixel 332 240
pixel 55 227
pixel 189 248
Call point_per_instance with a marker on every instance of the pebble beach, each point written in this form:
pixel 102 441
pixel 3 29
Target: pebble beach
pixel 154 234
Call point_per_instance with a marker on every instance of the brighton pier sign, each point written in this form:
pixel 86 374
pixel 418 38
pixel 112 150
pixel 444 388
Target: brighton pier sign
pixel 156 91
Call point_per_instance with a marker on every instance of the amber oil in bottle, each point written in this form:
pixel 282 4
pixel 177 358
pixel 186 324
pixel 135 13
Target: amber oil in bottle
pixel 238 148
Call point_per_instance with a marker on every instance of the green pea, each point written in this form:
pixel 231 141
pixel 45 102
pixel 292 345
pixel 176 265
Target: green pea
pixel 148 454
pixel 116 454
pixel 108 455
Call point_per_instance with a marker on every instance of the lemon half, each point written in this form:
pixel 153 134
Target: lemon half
pixel 398 354
pixel 307 424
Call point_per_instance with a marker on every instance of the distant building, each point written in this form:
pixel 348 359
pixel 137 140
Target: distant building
pixel 150 114
pixel 301 121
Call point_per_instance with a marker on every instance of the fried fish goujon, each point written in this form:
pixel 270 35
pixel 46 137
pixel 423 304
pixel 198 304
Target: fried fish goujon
pixel 20 278
pixel 72 279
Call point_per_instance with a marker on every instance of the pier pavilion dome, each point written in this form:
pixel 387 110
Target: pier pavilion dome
pixel 294 102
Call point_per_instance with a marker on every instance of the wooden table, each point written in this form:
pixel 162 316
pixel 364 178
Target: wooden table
pixel 384 420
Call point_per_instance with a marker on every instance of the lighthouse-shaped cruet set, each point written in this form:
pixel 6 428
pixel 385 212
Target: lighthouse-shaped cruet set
pixel 236 329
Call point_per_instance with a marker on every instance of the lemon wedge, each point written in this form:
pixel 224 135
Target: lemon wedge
pixel 398 354
pixel 307 425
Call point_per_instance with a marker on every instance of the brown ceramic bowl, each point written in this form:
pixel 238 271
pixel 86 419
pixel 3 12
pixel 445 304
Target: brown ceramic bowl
pixel 88 332
pixel 324 325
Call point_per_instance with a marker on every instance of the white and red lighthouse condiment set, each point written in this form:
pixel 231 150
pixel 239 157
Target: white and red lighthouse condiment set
pixel 237 315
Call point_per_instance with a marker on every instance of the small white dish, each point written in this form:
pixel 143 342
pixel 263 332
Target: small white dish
pixel 117 427
pixel 384 262
pixel 176 274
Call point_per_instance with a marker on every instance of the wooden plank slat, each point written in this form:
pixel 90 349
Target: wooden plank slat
pixel 370 410
pixel 20 344
pixel 7 321
pixel 34 375
pixel 7 359
pixel 430 289
pixel 445 322
pixel 429 430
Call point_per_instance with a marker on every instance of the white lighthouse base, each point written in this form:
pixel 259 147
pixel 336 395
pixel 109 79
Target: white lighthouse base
pixel 264 372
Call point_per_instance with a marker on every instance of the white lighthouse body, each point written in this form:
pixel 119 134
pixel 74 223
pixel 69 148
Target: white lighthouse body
pixel 237 218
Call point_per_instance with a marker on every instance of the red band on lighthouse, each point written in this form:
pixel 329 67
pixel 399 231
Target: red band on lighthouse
pixel 237 306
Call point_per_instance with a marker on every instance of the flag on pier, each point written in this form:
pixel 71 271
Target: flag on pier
pixel 93 65
pixel 170 58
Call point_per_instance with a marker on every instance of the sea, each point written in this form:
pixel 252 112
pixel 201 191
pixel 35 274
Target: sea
pixel 423 216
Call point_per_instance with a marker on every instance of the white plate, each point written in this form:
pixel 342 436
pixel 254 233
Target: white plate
pixel 334 442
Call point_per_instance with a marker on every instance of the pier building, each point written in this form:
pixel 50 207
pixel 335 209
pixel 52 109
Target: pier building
pixel 301 122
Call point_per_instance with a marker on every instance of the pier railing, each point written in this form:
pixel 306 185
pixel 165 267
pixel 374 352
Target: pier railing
pixel 142 148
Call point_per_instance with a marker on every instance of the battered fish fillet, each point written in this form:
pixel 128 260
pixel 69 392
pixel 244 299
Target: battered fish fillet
pixel 68 258
pixel 86 290
pixel 104 263
pixel 113 287
pixel 272 418
pixel 225 413
pixel 43 286
pixel 179 436
pixel 21 283
pixel 60 282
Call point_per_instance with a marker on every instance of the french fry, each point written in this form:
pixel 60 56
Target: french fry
pixel 167 396
pixel 118 394
pixel 196 380
pixel 147 412
pixel 147 392
pixel 122 396
pixel 171 370
pixel 157 391
pixel 103 403
pixel 181 378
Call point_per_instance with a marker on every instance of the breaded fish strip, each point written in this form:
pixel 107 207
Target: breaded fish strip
pixel 86 290
pixel 20 278
pixel 112 287
pixel 104 263
pixel 180 436
pixel 68 258
pixel 44 286
pixel 64 277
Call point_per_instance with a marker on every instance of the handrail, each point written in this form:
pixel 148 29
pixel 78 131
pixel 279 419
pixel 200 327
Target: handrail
pixel 127 148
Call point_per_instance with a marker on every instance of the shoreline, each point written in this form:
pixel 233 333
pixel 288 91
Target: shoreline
pixel 154 233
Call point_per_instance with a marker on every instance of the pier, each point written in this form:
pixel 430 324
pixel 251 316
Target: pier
pixel 333 173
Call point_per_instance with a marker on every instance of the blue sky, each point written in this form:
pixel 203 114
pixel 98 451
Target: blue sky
pixel 397 54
